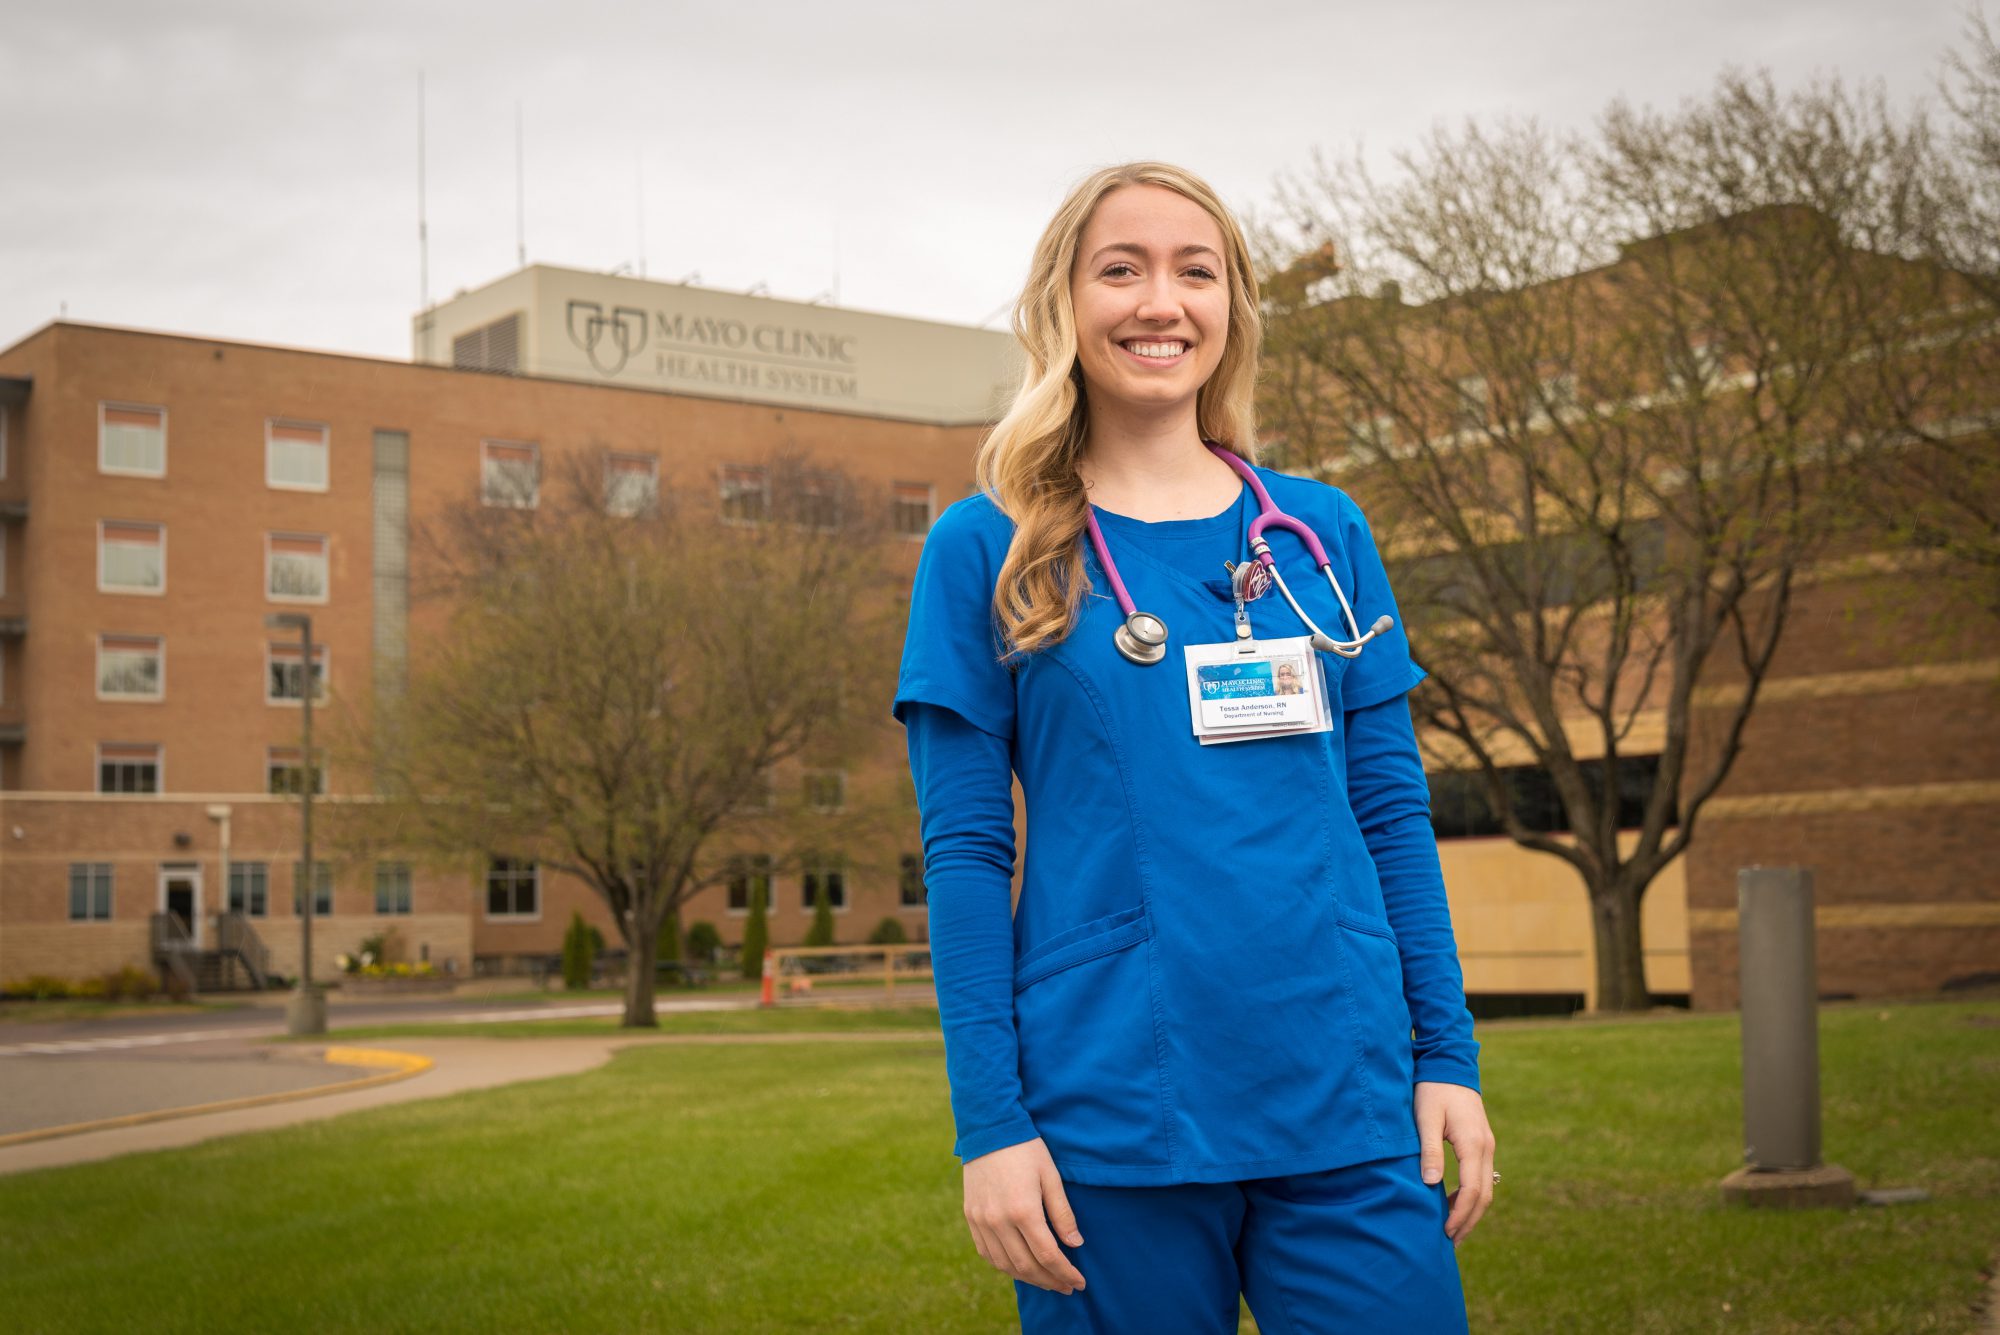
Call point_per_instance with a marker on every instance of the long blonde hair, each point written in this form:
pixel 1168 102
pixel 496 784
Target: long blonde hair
pixel 1028 464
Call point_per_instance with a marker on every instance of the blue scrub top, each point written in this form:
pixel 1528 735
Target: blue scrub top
pixel 1207 986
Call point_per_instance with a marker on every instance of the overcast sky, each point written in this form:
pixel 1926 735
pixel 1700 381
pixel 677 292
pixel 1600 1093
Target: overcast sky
pixel 249 171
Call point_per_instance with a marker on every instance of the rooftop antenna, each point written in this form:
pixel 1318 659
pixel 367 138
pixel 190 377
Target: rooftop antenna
pixel 423 234
pixel 520 192
pixel 640 166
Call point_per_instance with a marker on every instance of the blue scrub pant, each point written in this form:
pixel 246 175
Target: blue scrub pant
pixel 1359 1249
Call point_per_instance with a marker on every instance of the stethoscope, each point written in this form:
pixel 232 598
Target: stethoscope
pixel 1142 637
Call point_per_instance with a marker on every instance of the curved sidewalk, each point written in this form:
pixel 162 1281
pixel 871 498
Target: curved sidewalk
pixel 458 1064
pixel 455 1065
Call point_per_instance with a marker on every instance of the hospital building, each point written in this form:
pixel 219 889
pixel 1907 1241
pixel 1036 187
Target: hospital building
pixel 162 494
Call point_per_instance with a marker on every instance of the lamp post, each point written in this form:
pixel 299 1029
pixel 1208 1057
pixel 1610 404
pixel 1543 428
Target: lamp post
pixel 305 1013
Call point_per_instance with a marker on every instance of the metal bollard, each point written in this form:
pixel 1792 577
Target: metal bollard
pixel 1780 984
pixel 1780 989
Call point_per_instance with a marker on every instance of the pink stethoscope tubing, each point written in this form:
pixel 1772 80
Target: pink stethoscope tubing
pixel 1143 637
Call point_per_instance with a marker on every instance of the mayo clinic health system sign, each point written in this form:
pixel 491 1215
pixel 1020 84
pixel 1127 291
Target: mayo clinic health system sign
pixel 574 325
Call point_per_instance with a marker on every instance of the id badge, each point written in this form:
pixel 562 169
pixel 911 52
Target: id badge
pixel 1270 688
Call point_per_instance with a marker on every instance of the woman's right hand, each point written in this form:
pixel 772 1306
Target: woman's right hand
pixel 1013 1197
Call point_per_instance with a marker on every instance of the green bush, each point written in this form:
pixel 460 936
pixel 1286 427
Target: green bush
pixel 703 941
pixel 90 989
pixel 756 938
pixel 888 932
pixel 579 954
pixel 39 986
pixel 821 932
pixel 667 946
pixel 131 983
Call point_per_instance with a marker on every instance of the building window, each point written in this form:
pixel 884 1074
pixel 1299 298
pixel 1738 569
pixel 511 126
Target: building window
pixel 284 771
pixel 912 893
pixel 746 494
pixel 910 508
pixel 750 874
pixel 131 439
pixel 1471 401
pixel 128 767
pixel 295 456
pixel 820 501
pixel 285 675
pixel 631 484
pixel 131 667
pixel 513 889
pixel 1460 808
pixel 510 474
pixel 1557 393
pixel 89 892
pixel 392 887
pixel 295 567
pixel 250 888
pixel 322 888
pixel 131 558
pixel 826 789
pixel 821 870
pixel 1371 433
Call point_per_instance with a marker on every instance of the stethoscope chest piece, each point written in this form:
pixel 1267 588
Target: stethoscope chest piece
pixel 1142 638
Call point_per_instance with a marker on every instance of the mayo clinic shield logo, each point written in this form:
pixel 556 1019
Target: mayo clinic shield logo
pixel 608 340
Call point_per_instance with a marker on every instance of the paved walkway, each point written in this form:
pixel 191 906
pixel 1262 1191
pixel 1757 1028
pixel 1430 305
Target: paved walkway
pixel 460 1064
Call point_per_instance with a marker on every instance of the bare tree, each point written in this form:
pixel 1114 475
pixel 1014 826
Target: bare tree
pixel 621 672
pixel 1594 393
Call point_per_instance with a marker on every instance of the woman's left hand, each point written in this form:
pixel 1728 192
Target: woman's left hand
pixel 1457 1114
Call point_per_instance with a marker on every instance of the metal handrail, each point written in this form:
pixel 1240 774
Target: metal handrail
pixel 235 936
pixel 171 948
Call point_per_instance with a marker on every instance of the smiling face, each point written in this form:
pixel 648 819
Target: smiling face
pixel 1150 288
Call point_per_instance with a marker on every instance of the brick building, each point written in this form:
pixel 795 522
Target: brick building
pixel 160 495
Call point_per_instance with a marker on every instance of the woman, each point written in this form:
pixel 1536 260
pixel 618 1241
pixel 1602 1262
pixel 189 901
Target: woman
pixel 1193 1043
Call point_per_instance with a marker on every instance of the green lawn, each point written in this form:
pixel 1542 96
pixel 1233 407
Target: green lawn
pixel 65 1009
pixel 808 1187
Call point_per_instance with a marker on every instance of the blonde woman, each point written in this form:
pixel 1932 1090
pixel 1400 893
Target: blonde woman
pixel 1223 1036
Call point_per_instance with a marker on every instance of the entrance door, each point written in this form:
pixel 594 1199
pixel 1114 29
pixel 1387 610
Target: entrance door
pixel 180 895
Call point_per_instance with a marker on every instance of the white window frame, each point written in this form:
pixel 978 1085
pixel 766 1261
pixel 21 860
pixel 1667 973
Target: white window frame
pixel 770 890
pixel 409 887
pixel 485 894
pixel 321 652
pixel 724 495
pixel 305 897
pixel 229 878
pixel 930 508
pixel 271 424
pixel 326 559
pixel 159 769
pixel 159 652
pixel 835 863
pixel 130 589
pixel 102 467
pixel 652 502
pixel 110 894
pixel 316 772
pixel 486 460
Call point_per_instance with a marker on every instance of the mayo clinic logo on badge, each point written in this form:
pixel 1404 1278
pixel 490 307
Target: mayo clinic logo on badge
pixel 611 340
